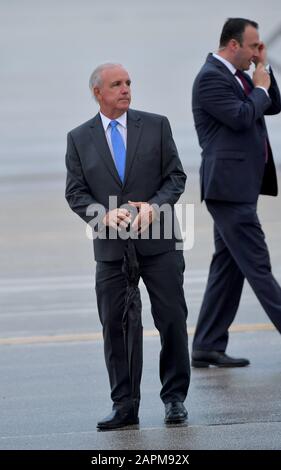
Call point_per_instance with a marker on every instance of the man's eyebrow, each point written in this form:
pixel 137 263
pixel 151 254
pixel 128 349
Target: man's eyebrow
pixel 117 82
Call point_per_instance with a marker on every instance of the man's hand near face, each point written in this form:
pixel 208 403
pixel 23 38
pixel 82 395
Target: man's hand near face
pixel 261 77
pixel 261 57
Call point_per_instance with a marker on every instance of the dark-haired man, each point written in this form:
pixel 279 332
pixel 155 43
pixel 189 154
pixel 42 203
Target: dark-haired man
pixel 237 166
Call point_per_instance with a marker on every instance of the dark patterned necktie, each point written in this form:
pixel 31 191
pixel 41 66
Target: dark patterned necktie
pixel 247 90
pixel 245 83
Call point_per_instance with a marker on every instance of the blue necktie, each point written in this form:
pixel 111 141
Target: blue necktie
pixel 118 149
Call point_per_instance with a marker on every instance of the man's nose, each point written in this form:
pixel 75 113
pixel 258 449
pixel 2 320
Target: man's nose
pixel 125 88
pixel 256 53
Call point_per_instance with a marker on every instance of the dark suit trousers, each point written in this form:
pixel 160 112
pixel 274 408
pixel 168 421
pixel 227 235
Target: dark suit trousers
pixel 240 252
pixel 163 278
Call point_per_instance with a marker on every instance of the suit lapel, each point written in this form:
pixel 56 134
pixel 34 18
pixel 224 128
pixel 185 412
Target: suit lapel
pixel 101 146
pixel 239 87
pixel 228 74
pixel 134 127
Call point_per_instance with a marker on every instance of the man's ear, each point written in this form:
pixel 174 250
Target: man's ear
pixel 234 45
pixel 96 92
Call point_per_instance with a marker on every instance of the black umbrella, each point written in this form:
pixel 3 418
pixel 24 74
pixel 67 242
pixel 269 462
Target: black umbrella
pixel 131 321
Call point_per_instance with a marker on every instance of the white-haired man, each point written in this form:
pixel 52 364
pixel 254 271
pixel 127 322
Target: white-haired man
pixel 131 155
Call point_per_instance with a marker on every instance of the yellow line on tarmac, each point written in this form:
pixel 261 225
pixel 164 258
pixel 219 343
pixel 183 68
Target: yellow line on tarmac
pixel 81 337
pixel 244 327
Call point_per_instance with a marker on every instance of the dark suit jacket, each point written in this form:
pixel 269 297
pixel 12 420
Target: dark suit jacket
pixel 232 133
pixel 153 174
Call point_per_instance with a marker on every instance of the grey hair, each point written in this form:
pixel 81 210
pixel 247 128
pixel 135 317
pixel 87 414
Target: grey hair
pixel 95 78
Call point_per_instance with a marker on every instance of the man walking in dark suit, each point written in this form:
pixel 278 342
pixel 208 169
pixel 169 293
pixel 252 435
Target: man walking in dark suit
pixel 131 155
pixel 237 166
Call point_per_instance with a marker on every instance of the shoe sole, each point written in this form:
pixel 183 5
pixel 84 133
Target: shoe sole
pixel 175 421
pixel 112 428
pixel 202 364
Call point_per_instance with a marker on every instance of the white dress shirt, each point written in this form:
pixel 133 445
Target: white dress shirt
pixel 233 71
pixel 121 126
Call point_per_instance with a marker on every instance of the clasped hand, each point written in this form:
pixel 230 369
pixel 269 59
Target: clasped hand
pixel 121 218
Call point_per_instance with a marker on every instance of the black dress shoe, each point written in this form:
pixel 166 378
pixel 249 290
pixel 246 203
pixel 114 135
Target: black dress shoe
pixel 175 412
pixel 216 358
pixel 118 418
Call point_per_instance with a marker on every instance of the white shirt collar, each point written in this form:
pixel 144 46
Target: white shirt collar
pixel 122 120
pixel 226 63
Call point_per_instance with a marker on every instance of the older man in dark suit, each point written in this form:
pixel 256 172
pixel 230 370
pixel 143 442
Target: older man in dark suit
pixel 237 166
pixel 131 155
